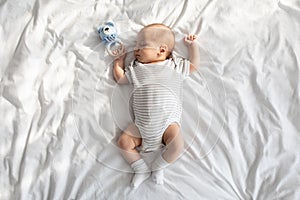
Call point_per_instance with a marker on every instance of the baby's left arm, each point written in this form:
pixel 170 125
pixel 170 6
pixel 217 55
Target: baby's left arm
pixel 194 52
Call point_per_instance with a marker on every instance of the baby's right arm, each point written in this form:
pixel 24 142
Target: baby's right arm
pixel 119 69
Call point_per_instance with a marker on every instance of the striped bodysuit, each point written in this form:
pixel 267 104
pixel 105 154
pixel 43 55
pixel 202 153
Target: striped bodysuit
pixel 156 100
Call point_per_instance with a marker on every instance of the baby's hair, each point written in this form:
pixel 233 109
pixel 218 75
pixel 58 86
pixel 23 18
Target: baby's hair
pixel 165 34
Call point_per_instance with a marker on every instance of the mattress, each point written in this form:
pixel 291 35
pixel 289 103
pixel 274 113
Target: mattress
pixel 62 112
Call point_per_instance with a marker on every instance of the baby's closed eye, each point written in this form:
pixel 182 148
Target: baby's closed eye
pixel 141 45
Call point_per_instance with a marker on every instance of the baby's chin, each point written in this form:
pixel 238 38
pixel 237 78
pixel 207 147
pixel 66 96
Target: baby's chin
pixel 144 62
pixel 140 60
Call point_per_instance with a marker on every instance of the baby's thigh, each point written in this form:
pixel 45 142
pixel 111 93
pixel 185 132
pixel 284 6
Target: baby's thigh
pixel 132 133
pixel 172 133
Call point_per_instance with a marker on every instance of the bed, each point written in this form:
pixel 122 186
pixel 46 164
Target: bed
pixel 62 112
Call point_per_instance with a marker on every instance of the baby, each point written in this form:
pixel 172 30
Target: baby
pixel 157 78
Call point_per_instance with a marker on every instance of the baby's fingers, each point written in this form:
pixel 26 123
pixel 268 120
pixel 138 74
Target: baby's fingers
pixel 119 53
pixel 191 37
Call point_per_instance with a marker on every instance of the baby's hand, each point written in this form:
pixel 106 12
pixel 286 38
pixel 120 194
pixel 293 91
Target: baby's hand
pixel 120 54
pixel 189 39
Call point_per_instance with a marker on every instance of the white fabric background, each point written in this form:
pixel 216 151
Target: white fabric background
pixel 241 117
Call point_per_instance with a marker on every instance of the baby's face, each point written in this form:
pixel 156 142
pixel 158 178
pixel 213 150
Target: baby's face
pixel 147 49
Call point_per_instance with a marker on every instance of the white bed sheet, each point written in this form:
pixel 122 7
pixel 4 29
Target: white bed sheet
pixel 59 110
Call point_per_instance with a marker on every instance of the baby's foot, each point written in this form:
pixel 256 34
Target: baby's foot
pixel 158 176
pixel 137 179
pixel 158 169
pixel 141 172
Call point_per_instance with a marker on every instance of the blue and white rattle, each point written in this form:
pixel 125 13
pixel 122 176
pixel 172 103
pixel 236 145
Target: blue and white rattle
pixel 109 36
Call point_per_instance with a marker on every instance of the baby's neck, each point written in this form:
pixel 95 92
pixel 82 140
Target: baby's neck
pixel 154 62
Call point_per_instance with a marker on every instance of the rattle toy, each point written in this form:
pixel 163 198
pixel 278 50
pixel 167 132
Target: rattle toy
pixel 109 36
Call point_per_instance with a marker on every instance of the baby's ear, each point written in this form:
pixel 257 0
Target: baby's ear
pixel 163 48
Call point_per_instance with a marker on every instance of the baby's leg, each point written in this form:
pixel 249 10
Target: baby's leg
pixel 174 147
pixel 128 142
pixel 174 143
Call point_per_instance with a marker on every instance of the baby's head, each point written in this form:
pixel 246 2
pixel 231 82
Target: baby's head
pixel 155 43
